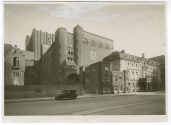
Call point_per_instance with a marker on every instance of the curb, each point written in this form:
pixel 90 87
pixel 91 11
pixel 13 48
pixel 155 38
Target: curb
pixel 41 99
pixel 90 96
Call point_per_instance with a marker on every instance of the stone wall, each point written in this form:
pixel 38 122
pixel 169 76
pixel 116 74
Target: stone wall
pixel 35 91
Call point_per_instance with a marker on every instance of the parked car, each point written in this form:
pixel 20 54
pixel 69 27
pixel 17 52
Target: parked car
pixel 66 94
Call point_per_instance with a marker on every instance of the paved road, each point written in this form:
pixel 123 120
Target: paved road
pixel 109 105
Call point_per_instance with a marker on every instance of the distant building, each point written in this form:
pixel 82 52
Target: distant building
pixel 27 41
pixel 14 64
pixel 137 67
pixel 98 78
pixel 36 41
pixel 161 60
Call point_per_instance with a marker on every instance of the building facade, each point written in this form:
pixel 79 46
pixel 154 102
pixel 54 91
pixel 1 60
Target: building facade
pixel 98 78
pixel 61 62
pixel 14 65
pixel 90 48
pixel 119 80
pixel 37 41
pixel 137 67
pixel 161 60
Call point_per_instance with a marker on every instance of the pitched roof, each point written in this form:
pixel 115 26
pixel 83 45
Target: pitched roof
pixel 125 56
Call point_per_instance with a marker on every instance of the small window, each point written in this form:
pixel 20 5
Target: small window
pixel 115 78
pixel 106 68
pixel 15 62
pixel 120 78
pixel 93 43
pixel 85 41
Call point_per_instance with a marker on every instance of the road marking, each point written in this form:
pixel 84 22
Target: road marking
pixel 109 108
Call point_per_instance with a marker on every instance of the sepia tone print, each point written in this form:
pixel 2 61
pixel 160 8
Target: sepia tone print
pixel 84 58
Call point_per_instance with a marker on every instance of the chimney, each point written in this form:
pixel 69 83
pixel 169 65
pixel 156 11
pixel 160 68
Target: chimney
pixel 143 55
pixel 15 46
pixel 122 51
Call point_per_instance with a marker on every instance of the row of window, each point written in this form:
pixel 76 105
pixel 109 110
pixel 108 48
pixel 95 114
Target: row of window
pixel 138 65
pixel 128 63
pixel 117 79
pixel 93 43
pixel 106 78
pixel 70 58
pixel 16 74
pixel 93 68
pixel 118 87
pixel 134 74
pixel 70 52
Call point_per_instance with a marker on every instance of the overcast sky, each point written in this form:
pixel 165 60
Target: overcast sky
pixel 135 28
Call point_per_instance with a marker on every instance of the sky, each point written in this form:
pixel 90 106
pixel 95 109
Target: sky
pixel 135 28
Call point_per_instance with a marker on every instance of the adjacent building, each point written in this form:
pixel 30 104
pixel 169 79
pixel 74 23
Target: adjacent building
pixel 38 42
pixel 15 64
pixel 136 67
pixel 119 80
pixel 98 78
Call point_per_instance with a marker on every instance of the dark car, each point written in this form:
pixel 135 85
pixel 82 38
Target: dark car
pixel 66 94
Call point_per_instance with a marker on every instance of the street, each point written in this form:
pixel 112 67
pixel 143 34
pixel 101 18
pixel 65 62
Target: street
pixel 102 105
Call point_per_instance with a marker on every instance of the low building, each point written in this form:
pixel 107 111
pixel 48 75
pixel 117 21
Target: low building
pixel 98 78
pixel 31 72
pixel 14 64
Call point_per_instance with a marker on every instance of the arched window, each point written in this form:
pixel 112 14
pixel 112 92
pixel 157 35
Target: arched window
pixel 15 62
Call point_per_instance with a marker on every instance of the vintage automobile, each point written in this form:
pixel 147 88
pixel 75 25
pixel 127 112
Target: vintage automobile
pixel 66 94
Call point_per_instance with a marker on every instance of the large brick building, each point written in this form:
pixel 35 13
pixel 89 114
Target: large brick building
pixel 137 68
pixel 61 62
pixel 56 58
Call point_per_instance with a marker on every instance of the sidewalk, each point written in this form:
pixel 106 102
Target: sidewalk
pixel 81 96
pixel 44 99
